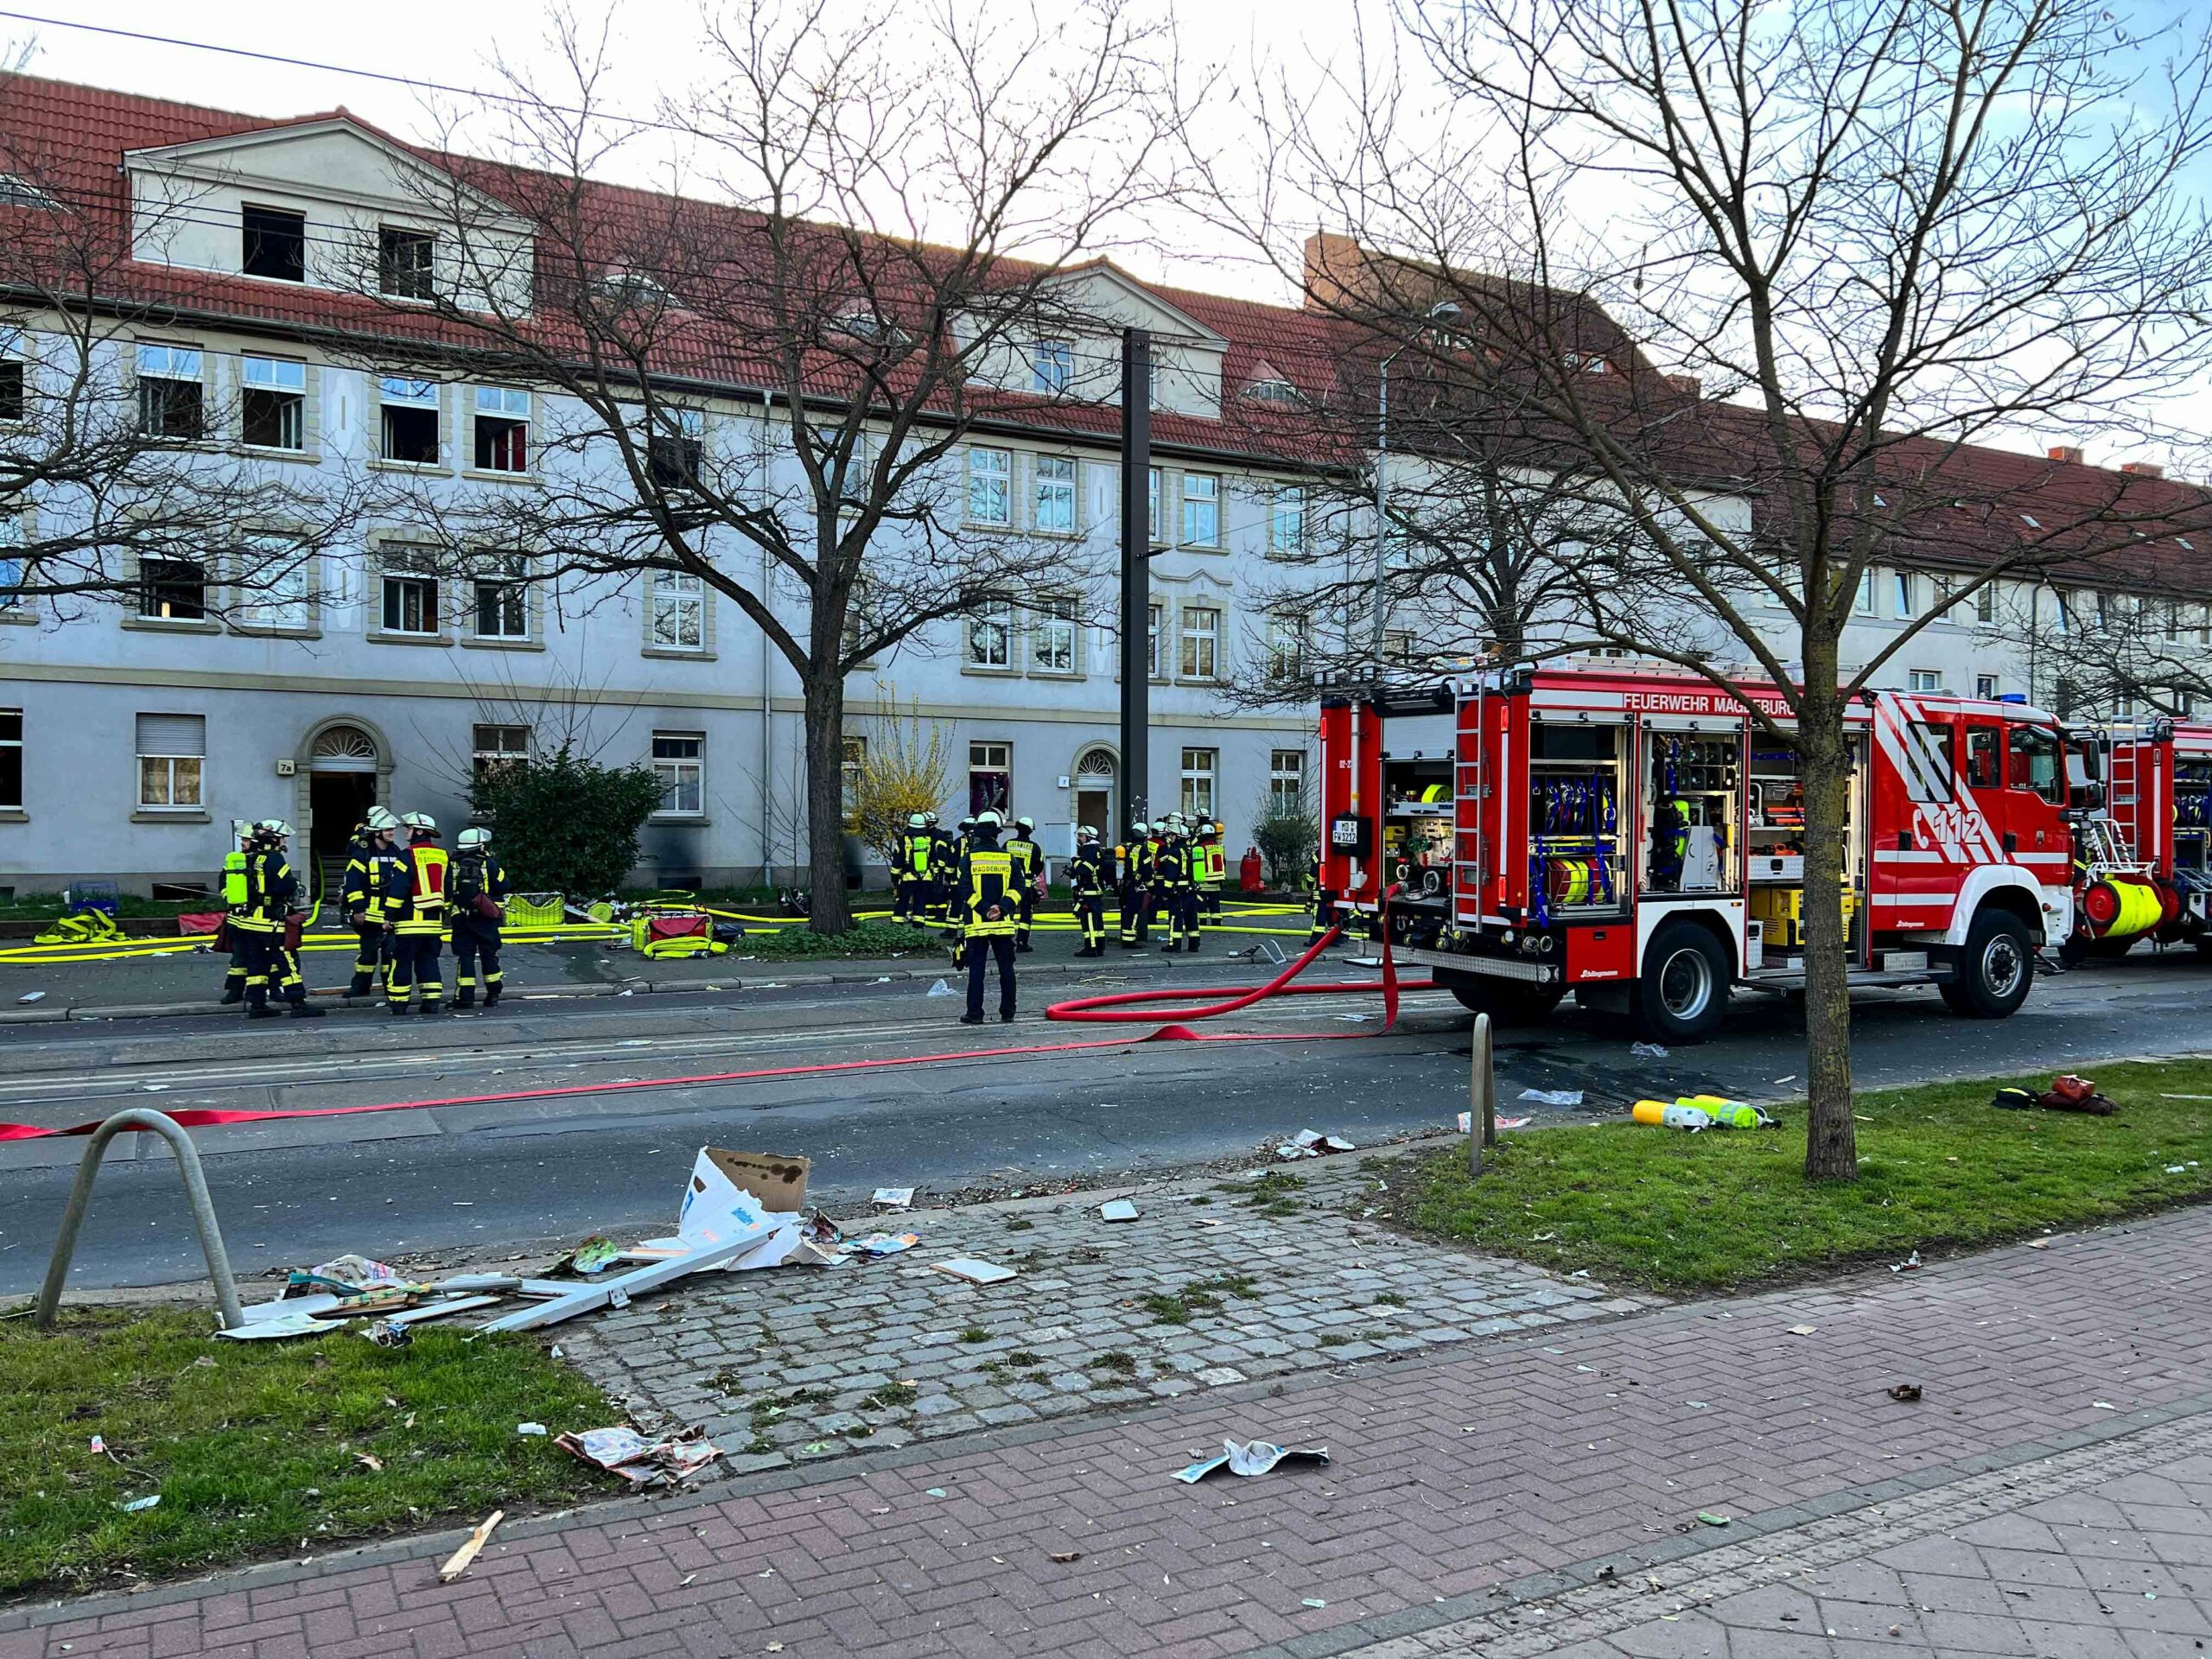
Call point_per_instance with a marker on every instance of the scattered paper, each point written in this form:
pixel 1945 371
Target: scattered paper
pixel 876 1245
pixel 1648 1051
pixel 32 996
pixel 894 1198
pixel 285 1324
pixel 530 1428
pixel 975 1272
pixel 1249 1458
pixel 624 1451
pixel 138 1503
pixel 457 1563
pixel 1307 1144
pixel 1467 1122
pixel 99 1445
pixel 1553 1096
pixel 1117 1209
pixel 1802 1329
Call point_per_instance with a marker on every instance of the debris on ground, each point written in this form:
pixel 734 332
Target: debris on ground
pixel 530 1428
pixel 596 1254
pixel 32 996
pixel 134 1505
pixel 457 1563
pixel 1648 1051
pixel 1905 1393
pixel 1910 1264
pixel 1064 1556
pixel 1802 1329
pixel 2066 1093
pixel 1713 1520
pixel 1467 1122
pixel 975 1272
pixel 1699 1112
pixel 624 1451
pixel 1307 1144
pixel 1553 1096
pixel 939 990
pixel 876 1246
pixel 1117 1209
pixel 1249 1458
pixel 894 1197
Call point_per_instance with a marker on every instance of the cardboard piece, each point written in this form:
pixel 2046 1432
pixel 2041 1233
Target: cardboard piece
pixel 777 1183
pixel 1117 1209
pixel 975 1272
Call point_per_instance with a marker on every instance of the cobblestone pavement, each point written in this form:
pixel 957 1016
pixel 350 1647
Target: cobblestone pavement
pixel 1477 1477
pixel 1216 1284
pixel 2099 1551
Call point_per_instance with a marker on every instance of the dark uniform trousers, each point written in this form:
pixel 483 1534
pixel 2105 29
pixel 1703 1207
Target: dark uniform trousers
pixel 475 937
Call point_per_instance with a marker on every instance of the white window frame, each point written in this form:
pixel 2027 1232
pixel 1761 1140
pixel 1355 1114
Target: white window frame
pixel 276 377
pixel 1924 681
pixel 1156 487
pixel 1052 644
pixel 387 282
pixel 509 405
pixel 1051 367
pixel 991 757
pixel 990 487
pixel 1863 604
pixel 208 578
pixel 409 392
pixel 285 607
pixel 174 365
pixel 399 564
pixel 1198 649
pixel 509 572
pixel 1155 620
pixel 1053 495
pixel 1201 782
pixel 168 768
pixel 1286 646
pixel 12 746
pixel 1282 800
pixel 1286 521
pixel 680 772
pixel 13 566
pixel 1201 497
pixel 1985 602
pixel 676 611
pixel 1904 595
pixel 990 637
pixel 496 751
pixel 1985 686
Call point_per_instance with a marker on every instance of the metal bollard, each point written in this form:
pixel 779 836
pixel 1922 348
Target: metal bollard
pixel 195 1191
pixel 1482 1096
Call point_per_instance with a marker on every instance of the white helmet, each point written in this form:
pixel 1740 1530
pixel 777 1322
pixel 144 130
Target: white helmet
pixel 1086 833
pixel 1025 825
pixel 987 820
pixel 380 818
pixel 917 820
pixel 421 821
pixel 474 836
pixel 275 827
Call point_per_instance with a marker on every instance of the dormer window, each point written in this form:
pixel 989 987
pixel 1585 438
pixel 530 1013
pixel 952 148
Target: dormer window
pixel 275 244
pixel 1271 392
pixel 1052 367
pixel 405 262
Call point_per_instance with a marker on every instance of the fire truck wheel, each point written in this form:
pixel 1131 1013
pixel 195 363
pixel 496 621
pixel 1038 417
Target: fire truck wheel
pixel 1996 967
pixel 1508 1001
pixel 1683 990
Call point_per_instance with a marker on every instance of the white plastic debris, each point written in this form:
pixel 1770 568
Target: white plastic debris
pixel 1553 1096
pixel 1648 1051
pixel 32 996
pixel 1249 1458
pixel 894 1198
pixel 939 990
pixel 1117 1209
pixel 530 1428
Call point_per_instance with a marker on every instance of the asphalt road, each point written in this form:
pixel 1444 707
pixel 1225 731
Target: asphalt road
pixel 480 1177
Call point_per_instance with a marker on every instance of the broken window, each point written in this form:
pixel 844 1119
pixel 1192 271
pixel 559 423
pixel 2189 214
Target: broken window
pixel 410 420
pixel 272 403
pixel 406 262
pixel 502 429
pixel 276 243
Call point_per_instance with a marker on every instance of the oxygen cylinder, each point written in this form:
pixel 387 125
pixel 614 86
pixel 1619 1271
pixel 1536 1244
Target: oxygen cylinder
pixel 1728 1114
pixel 1671 1116
pixel 234 885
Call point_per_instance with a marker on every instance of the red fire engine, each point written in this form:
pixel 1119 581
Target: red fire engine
pixel 1633 836
pixel 2143 838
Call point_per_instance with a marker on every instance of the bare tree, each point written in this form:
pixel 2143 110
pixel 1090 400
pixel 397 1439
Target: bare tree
pixel 2091 653
pixel 122 482
pixel 1871 235
pixel 887 205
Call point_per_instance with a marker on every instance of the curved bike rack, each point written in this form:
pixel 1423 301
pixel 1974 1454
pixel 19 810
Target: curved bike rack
pixel 195 1191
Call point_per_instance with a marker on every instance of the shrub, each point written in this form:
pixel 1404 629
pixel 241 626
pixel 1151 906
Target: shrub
pixel 562 823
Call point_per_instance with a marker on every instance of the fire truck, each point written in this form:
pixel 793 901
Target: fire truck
pixel 1632 835
pixel 2142 837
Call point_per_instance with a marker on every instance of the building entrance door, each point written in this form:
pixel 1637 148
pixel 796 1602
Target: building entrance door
pixel 1094 794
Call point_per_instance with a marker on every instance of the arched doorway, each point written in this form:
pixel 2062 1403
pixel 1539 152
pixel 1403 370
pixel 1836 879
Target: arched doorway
pixel 343 766
pixel 1096 773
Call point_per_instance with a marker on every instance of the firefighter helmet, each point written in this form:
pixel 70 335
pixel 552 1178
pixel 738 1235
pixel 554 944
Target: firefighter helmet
pixel 422 822
pixel 986 821
pixel 1025 825
pixel 474 838
pixel 917 820
pixel 275 827
pixel 1087 832
pixel 380 818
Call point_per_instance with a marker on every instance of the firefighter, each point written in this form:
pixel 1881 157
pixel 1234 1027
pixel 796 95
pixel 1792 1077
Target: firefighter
pixel 911 868
pixel 938 894
pixel 955 930
pixel 1156 907
pixel 369 867
pixel 1209 869
pixel 987 906
pixel 476 876
pixel 244 836
pixel 1322 901
pixel 1028 875
pixel 1136 881
pixel 1172 881
pixel 269 919
pixel 416 910
pixel 1087 876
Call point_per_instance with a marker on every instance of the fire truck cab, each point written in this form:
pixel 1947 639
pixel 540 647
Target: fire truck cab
pixel 1634 837
pixel 2142 837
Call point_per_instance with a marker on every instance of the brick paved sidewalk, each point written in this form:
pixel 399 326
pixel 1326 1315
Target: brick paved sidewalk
pixel 1454 1472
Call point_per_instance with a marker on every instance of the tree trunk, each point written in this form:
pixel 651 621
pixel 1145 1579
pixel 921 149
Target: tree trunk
pixel 1830 1145
pixel 828 908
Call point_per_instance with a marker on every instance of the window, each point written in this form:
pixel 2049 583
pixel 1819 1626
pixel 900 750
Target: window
pixel 411 593
pixel 677 449
pixel 1397 645
pixel 1274 390
pixel 172 750
pixel 1055 495
pixel 2173 618
pixel 2035 762
pixel 1904 594
pixel 173 590
pixel 1201 510
pixel 2105 606
pixel 1286 646
pixel 680 759
pixel 11 389
pixel 12 758
pixel 1927 775
pixel 1052 367
pixel 1198 767
pixel 990 487
pixel 1201 642
pixel 852 771
pixel 1287 521
pixel 1152 640
pixel 273 403
pixel 171 398
pixel 276 243
pixel 1151 522
pixel 11 561
pixel 1985 602
pixel 503 599
pixel 2205 625
pixel 1927 679
pixel 1286 782
pixel 405 262
pixel 1864 602
pixel 2067 605
pixel 676 608
pixel 274 585
pixel 500 746
pixel 1985 686
pixel 1985 757
pixel 410 420
pixel 990 777
pixel 990 635
pixel 1051 640
pixel 502 429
